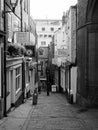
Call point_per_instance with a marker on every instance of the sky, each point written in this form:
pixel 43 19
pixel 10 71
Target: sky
pixel 49 9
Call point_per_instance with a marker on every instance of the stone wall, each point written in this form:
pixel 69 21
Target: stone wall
pixel 87 48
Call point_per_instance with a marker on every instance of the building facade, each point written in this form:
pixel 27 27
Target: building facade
pixel 14 60
pixel 65 54
pixel 17 63
pixel 87 31
pixel 45 32
pixel 70 64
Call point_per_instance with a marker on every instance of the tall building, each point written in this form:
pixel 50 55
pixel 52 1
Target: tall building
pixel 45 31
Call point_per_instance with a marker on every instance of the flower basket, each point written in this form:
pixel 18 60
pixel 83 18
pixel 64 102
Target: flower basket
pixel 15 49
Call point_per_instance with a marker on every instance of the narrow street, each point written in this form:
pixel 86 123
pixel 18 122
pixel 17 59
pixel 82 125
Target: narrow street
pixel 55 113
pixel 52 112
pixel 49 46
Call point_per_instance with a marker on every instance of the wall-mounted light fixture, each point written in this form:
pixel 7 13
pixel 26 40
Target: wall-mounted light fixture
pixel 13 4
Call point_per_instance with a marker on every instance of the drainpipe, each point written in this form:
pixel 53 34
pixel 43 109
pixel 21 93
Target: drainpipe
pixel 21 16
pixel 23 62
pixel 5 43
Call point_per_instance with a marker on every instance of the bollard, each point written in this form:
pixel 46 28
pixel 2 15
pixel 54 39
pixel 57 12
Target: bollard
pixel 71 99
pixel 35 97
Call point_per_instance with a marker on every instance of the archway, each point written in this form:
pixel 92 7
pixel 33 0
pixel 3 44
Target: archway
pixel 92 11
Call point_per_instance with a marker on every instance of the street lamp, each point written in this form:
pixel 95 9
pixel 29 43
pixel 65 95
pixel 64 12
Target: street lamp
pixel 13 4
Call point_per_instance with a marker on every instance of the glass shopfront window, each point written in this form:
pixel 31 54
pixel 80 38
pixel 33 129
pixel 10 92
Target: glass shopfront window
pixel 18 78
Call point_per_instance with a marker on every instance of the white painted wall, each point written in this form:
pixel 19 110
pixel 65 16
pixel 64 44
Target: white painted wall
pixel 63 78
pixel 47 24
pixel 74 82
pixel 71 34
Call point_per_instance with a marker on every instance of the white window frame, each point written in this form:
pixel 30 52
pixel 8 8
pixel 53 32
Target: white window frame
pixel 18 78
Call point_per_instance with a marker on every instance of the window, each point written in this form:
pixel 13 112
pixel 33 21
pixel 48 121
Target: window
pixel 43 29
pixel 25 6
pixel 27 73
pixel 42 68
pixel 52 29
pixel 8 82
pixel 43 43
pixel 50 36
pixel 45 35
pixel 40 35
pixel 25 28
pixel 18 78
pixel 41 51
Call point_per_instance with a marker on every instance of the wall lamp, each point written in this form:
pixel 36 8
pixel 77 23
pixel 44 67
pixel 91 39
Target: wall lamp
pixel 13 4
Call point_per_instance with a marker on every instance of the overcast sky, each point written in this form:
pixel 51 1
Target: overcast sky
pixel 50 9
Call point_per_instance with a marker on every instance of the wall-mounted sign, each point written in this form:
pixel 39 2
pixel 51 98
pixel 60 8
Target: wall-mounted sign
pixel 30 50
pixel 22 37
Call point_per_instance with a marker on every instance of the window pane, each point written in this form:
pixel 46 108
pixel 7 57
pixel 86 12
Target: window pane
pixel 43 29
pixel 18 78
pixel 52 29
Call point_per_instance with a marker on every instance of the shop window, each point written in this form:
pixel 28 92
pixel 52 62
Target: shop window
pixel 8 83
pixel 18 78
pixel 27 73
